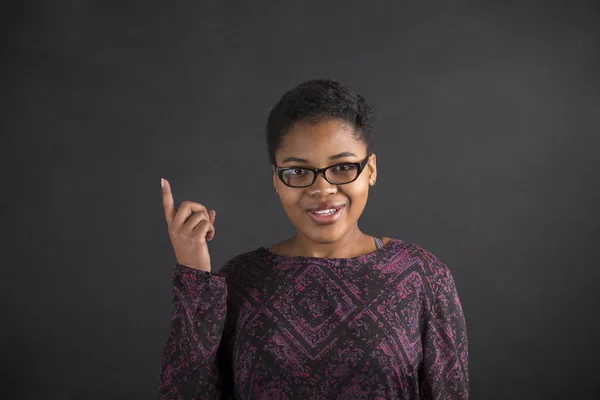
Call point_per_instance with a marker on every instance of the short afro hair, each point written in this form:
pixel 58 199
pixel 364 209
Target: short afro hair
pixel 315 101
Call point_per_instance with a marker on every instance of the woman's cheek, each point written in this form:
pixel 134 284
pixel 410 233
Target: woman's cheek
pixel 358 199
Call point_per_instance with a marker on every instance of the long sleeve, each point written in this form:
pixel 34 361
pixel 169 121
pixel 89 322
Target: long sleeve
pixel 444 371
pixel 193 364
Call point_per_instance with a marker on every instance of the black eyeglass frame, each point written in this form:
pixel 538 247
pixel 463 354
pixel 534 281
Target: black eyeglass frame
pixel 360 166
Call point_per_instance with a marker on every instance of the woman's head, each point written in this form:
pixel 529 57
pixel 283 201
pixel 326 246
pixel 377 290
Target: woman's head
pixel 316 101
pixel 316 125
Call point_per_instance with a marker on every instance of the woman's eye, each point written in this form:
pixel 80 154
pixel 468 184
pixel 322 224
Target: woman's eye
pixel 298 171
pixel 343 168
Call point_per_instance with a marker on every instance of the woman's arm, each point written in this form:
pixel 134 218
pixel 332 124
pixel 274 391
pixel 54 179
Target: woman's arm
pixel 193 364
pixel 444 372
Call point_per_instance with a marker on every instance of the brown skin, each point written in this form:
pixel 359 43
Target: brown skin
pixel 190 227
pixel 316 143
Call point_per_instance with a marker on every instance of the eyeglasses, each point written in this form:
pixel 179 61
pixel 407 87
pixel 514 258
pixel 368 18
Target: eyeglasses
pixel 338 174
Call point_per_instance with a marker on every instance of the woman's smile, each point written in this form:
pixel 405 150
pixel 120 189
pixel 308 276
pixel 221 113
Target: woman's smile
pixel 326 214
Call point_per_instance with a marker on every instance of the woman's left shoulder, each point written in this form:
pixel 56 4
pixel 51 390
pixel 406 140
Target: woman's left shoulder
pixel 421 260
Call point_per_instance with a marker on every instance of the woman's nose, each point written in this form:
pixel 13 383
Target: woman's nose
pixel 322 186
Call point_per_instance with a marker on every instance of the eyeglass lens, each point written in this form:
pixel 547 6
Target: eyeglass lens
pixel 338 174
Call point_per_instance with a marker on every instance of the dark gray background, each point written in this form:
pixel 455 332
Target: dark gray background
pixel 488 118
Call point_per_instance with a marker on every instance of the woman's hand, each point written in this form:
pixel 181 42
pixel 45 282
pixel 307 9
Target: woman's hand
pixel 190 228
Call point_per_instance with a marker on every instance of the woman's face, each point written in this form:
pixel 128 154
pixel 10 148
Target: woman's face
pixel 320 145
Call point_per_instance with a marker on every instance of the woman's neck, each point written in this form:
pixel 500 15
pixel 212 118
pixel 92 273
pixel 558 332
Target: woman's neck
pixel 352 244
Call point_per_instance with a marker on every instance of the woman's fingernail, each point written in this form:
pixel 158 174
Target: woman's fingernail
pixel 162 182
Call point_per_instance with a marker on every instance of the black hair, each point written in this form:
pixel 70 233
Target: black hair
pixel 315 101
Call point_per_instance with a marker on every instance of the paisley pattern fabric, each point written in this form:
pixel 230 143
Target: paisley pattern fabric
pixel 385 325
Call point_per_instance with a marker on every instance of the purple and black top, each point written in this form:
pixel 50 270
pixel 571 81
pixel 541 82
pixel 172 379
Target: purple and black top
pixel 384 325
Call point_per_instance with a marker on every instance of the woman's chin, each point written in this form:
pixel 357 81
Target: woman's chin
pixel 325 235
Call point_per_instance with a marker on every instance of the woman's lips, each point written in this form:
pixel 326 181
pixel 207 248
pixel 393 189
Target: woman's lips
pixel 326 217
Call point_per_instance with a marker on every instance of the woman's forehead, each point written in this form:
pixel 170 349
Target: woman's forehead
pixel 325 138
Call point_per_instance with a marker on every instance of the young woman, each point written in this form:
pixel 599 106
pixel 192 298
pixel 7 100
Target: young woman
pixel 331 313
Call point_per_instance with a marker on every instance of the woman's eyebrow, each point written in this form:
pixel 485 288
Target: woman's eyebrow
pixel 334 157
pixel 294 159
pixel 342 155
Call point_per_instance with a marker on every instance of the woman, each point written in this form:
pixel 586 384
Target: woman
pixel 331 313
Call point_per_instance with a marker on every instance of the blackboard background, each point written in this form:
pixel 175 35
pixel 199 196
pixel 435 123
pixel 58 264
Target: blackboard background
pixel 488 115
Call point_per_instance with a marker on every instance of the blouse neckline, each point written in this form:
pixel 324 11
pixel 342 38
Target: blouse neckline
pixel 360 258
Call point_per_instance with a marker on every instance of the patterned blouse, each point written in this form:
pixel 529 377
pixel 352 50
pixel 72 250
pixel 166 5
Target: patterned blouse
pixel 384 325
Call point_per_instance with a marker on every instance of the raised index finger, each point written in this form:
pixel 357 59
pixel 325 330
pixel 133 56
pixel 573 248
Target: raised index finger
pixel 168 202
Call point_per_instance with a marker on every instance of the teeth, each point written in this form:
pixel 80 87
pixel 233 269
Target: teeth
pixel 325 212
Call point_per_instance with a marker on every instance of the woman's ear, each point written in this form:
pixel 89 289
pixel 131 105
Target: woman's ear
pixel 275 177
pixel 372 167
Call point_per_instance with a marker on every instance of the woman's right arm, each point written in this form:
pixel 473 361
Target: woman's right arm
pixel 192 365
